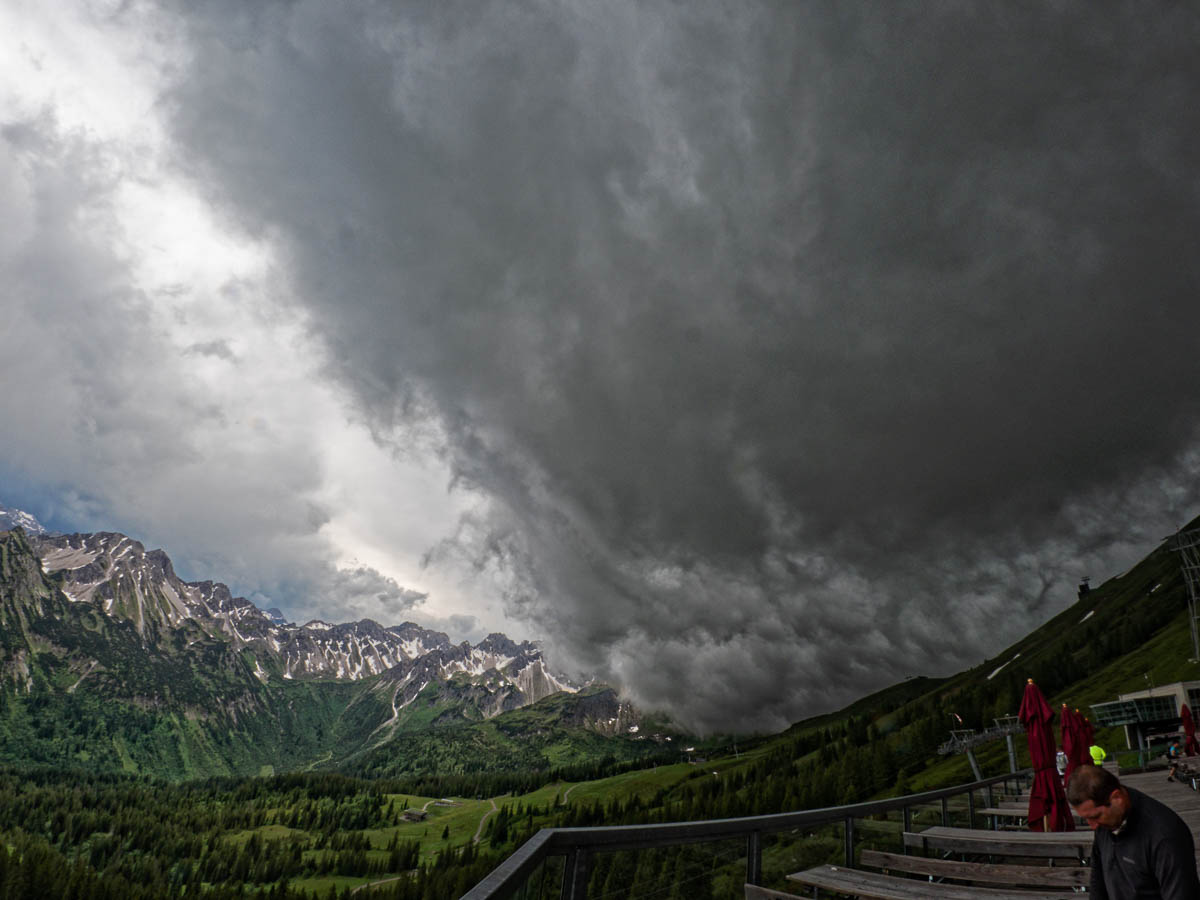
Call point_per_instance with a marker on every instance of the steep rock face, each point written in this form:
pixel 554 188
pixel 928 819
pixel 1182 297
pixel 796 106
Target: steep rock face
pixel 110 661
pixel 349 651
pixel 119 577
pixel 604 712
pixel 418 641
pixel 474 681
pixel 138 671
pixel 129 582
pixel 24 596
pixel 103 629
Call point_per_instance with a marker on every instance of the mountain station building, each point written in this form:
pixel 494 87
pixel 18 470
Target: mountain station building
pixel 1149 713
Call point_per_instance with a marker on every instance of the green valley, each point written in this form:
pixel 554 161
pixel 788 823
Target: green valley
pixel 101 781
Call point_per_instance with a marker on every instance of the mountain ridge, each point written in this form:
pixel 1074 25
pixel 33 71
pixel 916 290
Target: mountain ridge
pixel 109 660
pixel 141 586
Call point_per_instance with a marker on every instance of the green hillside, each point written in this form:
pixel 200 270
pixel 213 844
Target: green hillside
pixel 521 747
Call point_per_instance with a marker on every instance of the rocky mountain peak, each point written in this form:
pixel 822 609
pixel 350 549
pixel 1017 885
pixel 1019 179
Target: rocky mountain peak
pixel 16 518
pixel 499 644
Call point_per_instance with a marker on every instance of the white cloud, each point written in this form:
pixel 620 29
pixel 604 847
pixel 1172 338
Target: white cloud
pixel 167 386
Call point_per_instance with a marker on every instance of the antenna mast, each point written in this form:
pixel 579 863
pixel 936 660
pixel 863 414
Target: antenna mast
pixel 1188 545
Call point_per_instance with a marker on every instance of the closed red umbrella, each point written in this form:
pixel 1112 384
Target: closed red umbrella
pixel 1190 747
pixel 1070 737
pixel 1083 740
pixel 1048 810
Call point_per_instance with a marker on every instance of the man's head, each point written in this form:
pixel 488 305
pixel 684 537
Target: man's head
pixel 1097 796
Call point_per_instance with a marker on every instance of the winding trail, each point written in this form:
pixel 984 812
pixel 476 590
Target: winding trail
pixel 93 665
pixel 371 884
pixel 317 762
pixel 479 830
pixel 567 793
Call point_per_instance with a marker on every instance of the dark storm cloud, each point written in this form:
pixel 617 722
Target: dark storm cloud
pixel 215 349
pixel 797 345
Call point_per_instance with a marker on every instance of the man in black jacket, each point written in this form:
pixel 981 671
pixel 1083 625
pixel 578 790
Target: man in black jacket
pixel 1142 848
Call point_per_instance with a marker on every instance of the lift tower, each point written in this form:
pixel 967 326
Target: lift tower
pixel 1187 544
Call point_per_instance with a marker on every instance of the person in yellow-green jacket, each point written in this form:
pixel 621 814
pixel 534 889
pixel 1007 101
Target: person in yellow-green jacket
pixel 1098 754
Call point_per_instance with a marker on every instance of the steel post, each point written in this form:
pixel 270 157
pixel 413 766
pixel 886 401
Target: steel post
pixel 575 875
pixel 974 765
pixel 754 857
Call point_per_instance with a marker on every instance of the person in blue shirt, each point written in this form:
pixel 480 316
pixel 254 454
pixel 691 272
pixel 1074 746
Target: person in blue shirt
pixel 1172 759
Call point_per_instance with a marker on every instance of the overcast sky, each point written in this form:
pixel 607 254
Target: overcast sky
pixel 752 355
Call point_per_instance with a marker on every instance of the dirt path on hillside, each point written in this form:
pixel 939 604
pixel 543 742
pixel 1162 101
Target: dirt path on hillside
pixel 316 762
pixel 371 884
pixel 479 830
pixel 71 689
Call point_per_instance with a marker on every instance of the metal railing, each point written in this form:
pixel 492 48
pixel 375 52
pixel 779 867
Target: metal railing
pixel 579 844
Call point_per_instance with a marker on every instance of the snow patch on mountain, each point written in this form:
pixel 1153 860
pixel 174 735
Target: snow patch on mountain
pixel 16 518
pixel 996 671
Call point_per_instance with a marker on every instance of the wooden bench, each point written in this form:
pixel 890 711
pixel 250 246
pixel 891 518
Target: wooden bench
pixel 1074 845
pixel 1018 813
pixel 987 873
pixel 876 886
pixel 976 879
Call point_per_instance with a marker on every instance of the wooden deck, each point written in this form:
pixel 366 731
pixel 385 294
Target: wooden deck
pixel 1019 882
pixel 1179 797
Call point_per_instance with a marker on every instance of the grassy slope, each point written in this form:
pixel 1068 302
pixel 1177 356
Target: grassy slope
pixel 543 736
